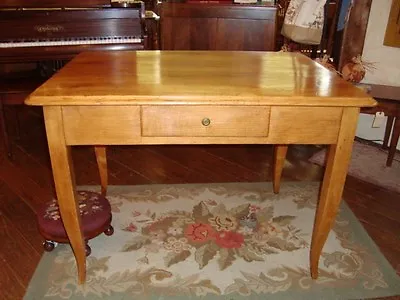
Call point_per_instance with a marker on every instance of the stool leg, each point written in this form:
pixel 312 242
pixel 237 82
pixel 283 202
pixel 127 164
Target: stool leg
pixel 88 250
pixel 393 142
pixel 109 231
pixel 101 158
pixel 388 130
pixel 49 246
pixel 3 125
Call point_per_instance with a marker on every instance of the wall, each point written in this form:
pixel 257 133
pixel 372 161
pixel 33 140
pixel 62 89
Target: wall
pixel 386 62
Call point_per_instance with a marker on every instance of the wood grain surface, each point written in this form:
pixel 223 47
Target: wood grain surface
pixel 197 78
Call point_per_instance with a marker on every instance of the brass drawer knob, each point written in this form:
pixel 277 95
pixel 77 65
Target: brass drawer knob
pixel 206 121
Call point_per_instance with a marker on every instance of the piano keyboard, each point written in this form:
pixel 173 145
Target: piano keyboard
pixel 72 41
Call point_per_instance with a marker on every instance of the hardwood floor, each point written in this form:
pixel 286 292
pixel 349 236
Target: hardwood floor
pixel 26 182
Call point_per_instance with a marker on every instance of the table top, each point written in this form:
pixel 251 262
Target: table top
pixel 197 77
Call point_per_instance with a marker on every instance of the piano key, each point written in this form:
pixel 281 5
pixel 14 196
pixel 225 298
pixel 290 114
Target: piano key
pixel 71 42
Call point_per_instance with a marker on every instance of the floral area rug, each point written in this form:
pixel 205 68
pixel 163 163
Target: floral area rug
pixel 368 163
pixel 218 241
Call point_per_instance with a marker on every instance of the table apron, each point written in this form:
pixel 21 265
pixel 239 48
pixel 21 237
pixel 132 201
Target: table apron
pixel 190 124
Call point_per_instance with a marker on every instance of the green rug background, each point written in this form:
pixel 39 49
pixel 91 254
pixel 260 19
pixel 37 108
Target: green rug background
pixel 37 286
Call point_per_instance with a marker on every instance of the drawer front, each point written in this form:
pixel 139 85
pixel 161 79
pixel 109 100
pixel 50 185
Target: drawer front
pixel 108 125
pixel 205 121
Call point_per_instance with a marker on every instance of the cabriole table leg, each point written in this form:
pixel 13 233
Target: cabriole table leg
pixel 63 174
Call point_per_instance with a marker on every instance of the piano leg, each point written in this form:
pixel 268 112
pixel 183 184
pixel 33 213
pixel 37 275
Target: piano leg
pixel 3 125
pixel 61 161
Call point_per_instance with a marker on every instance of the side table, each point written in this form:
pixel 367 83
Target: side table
pixel 388 98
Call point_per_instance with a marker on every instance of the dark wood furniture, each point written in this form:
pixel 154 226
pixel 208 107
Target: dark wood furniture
pixel 192 26
pixel 62 33
pixel 14 88
pixel 57 30
pixel 388 98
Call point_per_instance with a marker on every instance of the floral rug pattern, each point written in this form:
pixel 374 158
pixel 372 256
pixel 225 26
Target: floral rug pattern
pixel 245 231
pixel 222 241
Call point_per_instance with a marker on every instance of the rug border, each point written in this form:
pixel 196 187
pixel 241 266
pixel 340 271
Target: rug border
pixel 390 274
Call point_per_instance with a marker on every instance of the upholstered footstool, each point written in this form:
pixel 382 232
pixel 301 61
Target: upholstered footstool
pixel 95 211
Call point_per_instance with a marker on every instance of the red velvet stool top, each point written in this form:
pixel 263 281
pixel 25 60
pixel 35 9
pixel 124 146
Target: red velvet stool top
pixel 95 211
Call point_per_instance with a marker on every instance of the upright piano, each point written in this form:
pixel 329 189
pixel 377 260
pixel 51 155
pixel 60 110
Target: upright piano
pixel 40 36
pixel 34 30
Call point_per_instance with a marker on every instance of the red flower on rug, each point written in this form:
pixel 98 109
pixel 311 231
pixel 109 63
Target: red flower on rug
pixel 229 239
pixel 199 232
pixel 131 227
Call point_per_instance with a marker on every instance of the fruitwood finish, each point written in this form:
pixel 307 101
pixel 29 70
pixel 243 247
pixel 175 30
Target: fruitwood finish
pixel 288 89
pixel 101 159
pixel 279 160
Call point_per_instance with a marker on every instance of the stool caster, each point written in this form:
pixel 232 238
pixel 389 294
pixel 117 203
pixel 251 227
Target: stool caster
pixel 49 246
pixel 109 231
pixel 88 250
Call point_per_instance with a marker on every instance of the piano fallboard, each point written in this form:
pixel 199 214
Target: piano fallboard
pixel 53 3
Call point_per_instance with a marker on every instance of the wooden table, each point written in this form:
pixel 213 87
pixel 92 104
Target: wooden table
pixel 153 97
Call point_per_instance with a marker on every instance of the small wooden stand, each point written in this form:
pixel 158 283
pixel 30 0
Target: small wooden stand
pixel 388 98
pixel 95 211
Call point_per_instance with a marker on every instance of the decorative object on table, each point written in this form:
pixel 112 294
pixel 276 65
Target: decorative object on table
pixel 304 21
pixel 218 241
pixel 95 211
pixel 355 70
pixel 368 163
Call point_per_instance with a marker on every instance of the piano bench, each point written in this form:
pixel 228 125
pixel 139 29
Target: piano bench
pixel 14 88
pixel 95 211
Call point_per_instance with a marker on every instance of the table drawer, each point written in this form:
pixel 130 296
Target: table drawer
pixel 108 125
pixel 205 121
